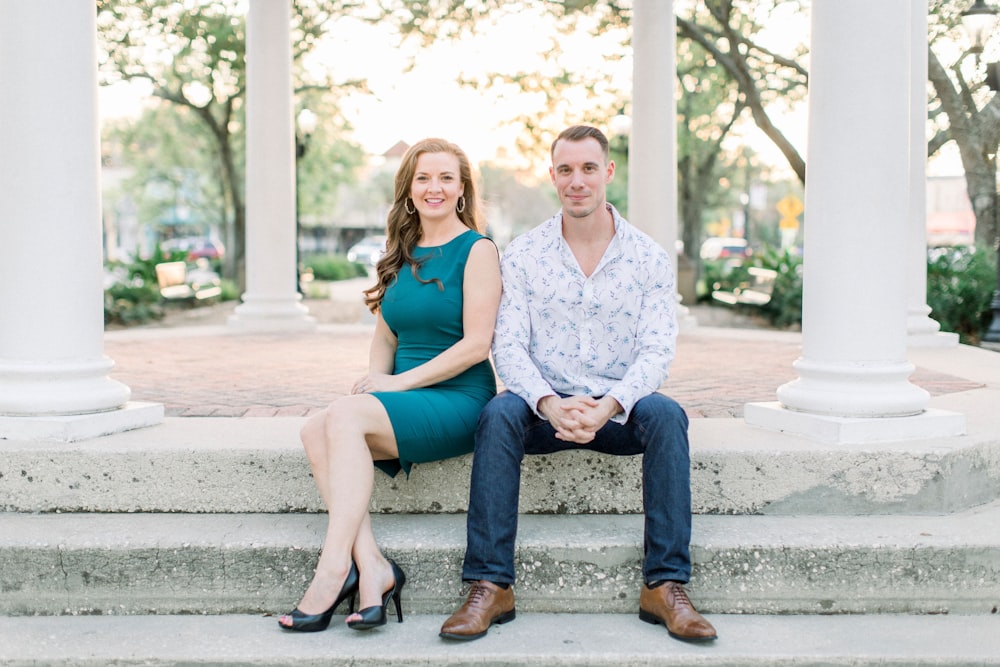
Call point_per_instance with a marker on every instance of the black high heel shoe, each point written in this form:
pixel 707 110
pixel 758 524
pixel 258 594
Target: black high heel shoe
pixel 373 617
pixel 317 622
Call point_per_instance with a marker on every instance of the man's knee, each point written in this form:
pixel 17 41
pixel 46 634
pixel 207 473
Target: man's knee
pixel 502 424
pixel 660 408
pixel 504 409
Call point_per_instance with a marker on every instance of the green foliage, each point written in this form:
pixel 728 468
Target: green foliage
pixel 128 305
pixel 784 310
pixel 135 297
pixel 722 274
pixel 960 285
pixel 333 267
pixel 192 56
pixel 230 290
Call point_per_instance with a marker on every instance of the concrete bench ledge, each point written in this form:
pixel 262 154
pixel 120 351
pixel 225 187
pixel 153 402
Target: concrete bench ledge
pixel 257 465
pixel 537 640
pixel 175 563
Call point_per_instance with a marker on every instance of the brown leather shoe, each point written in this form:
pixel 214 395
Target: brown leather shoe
pixel 487 604
pixel 668 603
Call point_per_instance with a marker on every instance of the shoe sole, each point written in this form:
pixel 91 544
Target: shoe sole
pixel 499 620
pixel 656 620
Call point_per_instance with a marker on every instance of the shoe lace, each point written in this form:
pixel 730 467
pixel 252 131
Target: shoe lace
pixel 476 593
pixel 681 596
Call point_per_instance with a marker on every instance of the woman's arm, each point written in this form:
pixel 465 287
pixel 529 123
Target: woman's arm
pixel 481 298
pixel 382 354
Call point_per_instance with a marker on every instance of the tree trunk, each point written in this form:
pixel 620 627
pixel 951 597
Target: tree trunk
pixel 977 133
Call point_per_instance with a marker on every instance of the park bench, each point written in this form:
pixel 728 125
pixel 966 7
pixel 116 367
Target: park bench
pixel 175 285
pixel 753 292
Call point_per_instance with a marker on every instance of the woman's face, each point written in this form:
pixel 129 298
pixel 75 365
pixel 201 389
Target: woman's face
pixel 436 185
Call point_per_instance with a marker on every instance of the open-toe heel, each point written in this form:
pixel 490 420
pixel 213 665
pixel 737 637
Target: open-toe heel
pixel 373 617
pixel 300 622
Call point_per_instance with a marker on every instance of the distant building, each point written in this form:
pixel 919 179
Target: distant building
pixel 950 218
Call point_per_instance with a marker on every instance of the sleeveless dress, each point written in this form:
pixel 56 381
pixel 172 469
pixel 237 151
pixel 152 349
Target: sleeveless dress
pixel 436 422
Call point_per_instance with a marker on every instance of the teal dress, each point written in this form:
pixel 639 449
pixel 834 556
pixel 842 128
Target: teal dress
pixel 436 422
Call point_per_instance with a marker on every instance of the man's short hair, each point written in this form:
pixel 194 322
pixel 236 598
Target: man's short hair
pixel 579 133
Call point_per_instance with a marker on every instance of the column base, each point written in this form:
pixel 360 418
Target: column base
pixel 855 389
pixel 71 428
pixel 264 315
pixel 939 339
pixel 685 320
pixel 931 423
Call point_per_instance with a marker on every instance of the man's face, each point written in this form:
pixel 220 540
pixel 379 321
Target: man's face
pixel 580 175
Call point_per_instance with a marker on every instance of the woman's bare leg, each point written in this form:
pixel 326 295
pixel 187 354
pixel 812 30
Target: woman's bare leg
pixel 341 443
pixel 375 571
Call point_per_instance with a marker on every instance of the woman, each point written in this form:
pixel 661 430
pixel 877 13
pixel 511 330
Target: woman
pixel 429 376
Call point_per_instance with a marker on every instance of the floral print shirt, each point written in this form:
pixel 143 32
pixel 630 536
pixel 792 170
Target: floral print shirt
pixel 561 332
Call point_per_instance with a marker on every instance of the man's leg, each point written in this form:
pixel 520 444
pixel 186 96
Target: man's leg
pixel 494 490
pixel 492 520
pixel 660 425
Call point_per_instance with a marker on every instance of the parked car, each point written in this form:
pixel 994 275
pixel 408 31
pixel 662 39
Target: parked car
pixel 197 247
pixel 725 247
pixel 368 250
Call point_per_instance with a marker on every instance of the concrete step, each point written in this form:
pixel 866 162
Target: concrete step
pixel 217 564
pixel 539 640
pixel 257 465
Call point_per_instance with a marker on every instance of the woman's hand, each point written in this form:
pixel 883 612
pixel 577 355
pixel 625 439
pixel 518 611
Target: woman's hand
pixel 377 382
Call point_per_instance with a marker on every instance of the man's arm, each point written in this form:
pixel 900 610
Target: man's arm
pixel 656 338
pixel 512 337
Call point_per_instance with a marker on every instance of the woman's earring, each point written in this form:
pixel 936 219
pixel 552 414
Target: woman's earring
pixel 461 203
pixel 406 205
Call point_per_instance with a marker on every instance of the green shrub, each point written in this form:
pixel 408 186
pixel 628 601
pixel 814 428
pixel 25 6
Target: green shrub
pixel 135 297
pixel 784 309
pixel 132 303
pixel 333 267
pixel 721 274
pixel 230 290
pixel 960 285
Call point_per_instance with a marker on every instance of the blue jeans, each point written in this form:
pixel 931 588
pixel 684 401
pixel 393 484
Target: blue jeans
pixel 509 429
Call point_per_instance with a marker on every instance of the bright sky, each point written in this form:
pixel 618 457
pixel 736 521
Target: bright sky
pixel 427 100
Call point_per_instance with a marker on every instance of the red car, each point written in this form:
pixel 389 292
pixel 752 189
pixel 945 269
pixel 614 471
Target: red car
pixel 196 247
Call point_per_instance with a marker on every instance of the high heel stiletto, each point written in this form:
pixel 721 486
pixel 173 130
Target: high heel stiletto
pixel 373 617
pixel 301 622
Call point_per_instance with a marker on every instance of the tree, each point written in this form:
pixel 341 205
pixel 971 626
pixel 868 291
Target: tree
pixel 727 31
pixel 965 111
pixel 192 54
pixel 722 72
pixel 170 182
pixel 732 34
pixel 707 110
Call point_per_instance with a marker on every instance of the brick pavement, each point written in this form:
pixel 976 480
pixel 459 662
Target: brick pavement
pixel 220 375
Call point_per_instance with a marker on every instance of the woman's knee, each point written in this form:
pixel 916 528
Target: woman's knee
pixel 318 431
pixel 313 435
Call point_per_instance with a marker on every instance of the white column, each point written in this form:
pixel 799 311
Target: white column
pixel 921 329
pixel 271 302
pixel 853 383
pixel 652 188
pixel 54 380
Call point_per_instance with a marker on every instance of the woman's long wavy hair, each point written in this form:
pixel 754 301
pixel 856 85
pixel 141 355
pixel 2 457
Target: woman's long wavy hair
pixel 403 229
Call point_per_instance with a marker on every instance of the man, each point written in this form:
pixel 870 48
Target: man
pixel 583 340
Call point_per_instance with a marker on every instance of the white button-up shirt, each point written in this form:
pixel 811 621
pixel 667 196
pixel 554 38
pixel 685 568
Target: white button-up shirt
pixel 559 331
